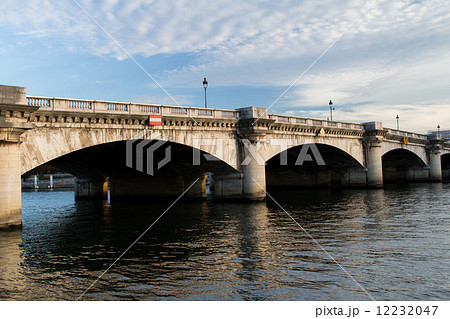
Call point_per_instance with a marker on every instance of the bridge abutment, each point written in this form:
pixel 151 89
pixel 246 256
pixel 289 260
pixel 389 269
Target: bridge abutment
pixel 228 187
pixel 91 189
pixel 13 118
pixel 10 185
pixel 355 178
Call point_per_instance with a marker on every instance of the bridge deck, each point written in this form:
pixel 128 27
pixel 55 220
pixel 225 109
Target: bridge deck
pixel 167 111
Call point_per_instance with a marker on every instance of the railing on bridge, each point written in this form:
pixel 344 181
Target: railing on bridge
pixel 93 106
pixel 407 134
pixel 38 101
pixel 314 122
pixel 108 107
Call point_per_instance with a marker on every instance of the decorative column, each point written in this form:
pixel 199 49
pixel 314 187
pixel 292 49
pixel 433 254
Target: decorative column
pixel 434 153
pixel 373 140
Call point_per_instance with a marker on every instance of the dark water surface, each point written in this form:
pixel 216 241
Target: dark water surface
pixel 394 242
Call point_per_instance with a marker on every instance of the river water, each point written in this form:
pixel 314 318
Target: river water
pixel 394 242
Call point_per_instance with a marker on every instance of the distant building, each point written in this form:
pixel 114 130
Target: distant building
pixel 442 134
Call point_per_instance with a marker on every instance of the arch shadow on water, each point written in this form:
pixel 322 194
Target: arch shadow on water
pixel 233 251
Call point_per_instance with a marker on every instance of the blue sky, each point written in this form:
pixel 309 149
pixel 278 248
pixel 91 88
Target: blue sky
pixel 394 60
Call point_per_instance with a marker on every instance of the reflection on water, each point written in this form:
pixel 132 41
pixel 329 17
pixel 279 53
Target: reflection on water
pixel 393 241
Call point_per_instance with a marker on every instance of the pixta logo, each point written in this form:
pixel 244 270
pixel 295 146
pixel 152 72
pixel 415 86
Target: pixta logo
pixel 149 153
pixel 308 152
pixel 141 153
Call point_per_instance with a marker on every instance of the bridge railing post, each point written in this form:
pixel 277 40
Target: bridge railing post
pixel 59 104
pixel 165 111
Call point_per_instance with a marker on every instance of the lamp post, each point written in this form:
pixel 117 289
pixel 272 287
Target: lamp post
pixel 439 132
pixel 331 110
pixel 205 85
pixel 397 117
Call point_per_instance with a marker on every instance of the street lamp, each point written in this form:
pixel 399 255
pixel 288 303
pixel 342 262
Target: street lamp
pixel 397 117
pixel 331 110
pixel 439 132
pixel 205 85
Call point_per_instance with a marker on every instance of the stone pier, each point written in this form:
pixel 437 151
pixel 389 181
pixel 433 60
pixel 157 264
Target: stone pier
pixel 158 188
pixel 435 161
pixel 254 175
pixel 10 185
pixel 252 162
pixel 91 188
pixel 227 187
pixel 13 124
pixel 373 141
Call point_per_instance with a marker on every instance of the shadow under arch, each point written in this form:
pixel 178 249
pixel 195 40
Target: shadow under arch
pixel 314 165
pixel 445 164
pixel 402 165
pixel 109 160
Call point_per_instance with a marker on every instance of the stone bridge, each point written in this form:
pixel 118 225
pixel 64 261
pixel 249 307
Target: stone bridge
pixel 108 146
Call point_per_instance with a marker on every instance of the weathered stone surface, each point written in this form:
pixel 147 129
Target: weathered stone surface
pixel 35 131
pixel 10 185
pixel 13 95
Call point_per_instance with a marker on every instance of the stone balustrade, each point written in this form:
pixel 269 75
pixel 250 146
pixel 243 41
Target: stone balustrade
pixel 407 134
pixel 94 106
pixel 109 107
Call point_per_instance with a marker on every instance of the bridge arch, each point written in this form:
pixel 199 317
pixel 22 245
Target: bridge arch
pixel 418 150
pixel 42 145
pixel 184 169
pixel 445 165
pixel 351 145
pixel 314 165
pixel 403 165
